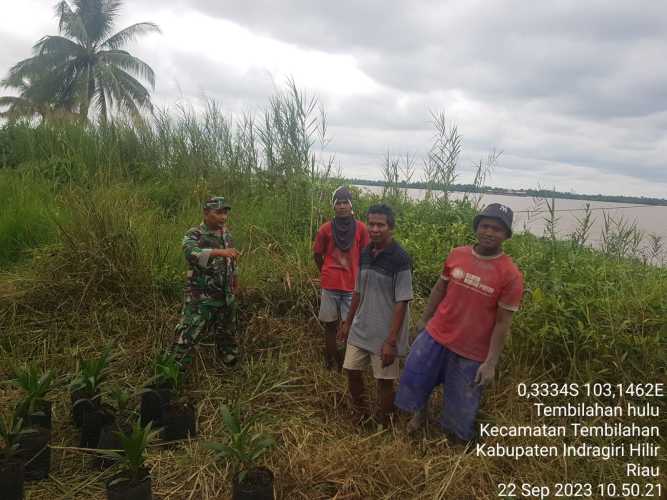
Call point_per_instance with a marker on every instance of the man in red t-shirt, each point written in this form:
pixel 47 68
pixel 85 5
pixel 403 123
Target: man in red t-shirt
pixel 336 250
pixel 467 320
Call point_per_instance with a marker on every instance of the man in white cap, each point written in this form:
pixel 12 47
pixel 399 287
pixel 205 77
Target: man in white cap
pixel 336 251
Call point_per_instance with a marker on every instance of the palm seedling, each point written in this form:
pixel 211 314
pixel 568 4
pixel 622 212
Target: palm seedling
pixel 244 449
pixel 159 391
pixel 85 387
pixel 35 412
pixel 173 410
pixel 34 409
pixel 120 416
pixel 121 400
pixel 92 373
pixel 11 467
pixel 168 372
pixel 11 427
pixel 88 410
pixel 133 480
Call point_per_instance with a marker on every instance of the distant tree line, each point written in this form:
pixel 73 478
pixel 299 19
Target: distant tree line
pixel 534 193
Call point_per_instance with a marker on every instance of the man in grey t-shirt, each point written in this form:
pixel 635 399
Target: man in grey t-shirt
pixel 377 322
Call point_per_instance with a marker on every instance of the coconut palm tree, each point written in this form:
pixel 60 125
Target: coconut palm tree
pixel 22 106
pixel 85 65
pixel 35 99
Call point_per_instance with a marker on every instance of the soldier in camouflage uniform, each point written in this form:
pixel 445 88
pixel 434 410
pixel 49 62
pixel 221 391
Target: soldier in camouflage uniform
pixel 209 306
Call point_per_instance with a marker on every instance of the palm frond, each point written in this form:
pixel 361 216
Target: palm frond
pixel 98 17
pixel 17 107
pixel 34 66
pixel 134 95
pixel 70 23
pixel 129 34
pixel 59 46
pixel 122 91
pixel 101 103
pixel 129 63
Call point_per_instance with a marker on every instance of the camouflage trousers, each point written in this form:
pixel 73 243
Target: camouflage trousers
pixel 207 318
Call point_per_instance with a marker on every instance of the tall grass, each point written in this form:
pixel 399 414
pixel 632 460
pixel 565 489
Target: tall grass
pixel 27 209
pixel 90 232
pixel 109 205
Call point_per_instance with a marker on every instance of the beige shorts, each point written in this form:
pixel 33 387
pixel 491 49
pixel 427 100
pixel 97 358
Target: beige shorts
pixel 357 358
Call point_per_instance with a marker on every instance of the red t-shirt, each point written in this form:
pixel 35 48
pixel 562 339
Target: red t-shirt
pixel 477 286
pixel 339 271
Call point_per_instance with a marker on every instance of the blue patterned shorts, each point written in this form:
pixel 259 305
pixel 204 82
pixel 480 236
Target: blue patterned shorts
pixel 430 364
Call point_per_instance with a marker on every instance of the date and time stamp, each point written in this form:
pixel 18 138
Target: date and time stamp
pixel 595 421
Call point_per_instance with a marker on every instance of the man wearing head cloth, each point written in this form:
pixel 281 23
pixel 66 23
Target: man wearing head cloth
pixel 464 327
pixel 336 250
pixel 209 305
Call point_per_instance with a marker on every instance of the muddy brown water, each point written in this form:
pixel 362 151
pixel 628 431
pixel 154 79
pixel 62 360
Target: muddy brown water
pixel 530 215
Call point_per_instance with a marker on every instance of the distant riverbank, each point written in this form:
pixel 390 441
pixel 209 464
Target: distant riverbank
pixel 529 193
pixel 609 221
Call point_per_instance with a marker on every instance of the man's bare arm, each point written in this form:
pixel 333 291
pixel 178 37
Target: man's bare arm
pixel 319 260
pixel 344 330
pixel 389 346
pixel 438 293
pixel 501 330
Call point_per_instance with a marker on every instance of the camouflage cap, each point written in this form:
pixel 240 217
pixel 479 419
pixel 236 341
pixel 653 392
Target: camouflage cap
pixel 216 203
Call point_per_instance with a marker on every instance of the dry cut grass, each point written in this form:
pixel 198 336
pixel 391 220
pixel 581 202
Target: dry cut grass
pixel 321 453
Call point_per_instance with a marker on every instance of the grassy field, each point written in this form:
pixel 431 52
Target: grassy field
pixel 90 225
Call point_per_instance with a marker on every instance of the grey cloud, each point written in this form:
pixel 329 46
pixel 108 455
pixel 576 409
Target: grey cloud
pixel 565 88
pixel 13 50
pixel 330 26
pixel 561 52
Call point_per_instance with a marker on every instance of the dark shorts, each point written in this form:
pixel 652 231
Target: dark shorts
pixel 430 364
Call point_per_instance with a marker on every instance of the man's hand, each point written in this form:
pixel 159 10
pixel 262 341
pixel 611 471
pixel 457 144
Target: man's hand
pixel 231 253
pixel 421 324
pixel 388 353
pixel 485 373
pixel 343 331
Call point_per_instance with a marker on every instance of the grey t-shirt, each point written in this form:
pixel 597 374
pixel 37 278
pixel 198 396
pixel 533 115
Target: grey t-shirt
pixel 383 280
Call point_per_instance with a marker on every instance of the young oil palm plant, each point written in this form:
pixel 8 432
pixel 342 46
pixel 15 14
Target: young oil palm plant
pixel 167 401
pixel 11 466
pixel 243 450
pixel 11 427
pixel 134 479
pixel 85 65
pixel 33 407
pixel 86 385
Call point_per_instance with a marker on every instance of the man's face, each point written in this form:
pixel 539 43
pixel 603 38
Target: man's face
pixel 216 218
pixel 343 208
pixel 490 234
pixel 378 229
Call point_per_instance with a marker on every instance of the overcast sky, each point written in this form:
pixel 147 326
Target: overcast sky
pixel 574 93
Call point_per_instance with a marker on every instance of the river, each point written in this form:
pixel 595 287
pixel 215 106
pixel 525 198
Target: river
pixel 530 215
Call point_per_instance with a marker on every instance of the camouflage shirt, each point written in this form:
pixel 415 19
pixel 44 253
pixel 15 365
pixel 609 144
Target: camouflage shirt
pixel 208 277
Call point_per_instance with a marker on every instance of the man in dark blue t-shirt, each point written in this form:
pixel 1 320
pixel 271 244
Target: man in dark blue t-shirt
pixel 377 323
